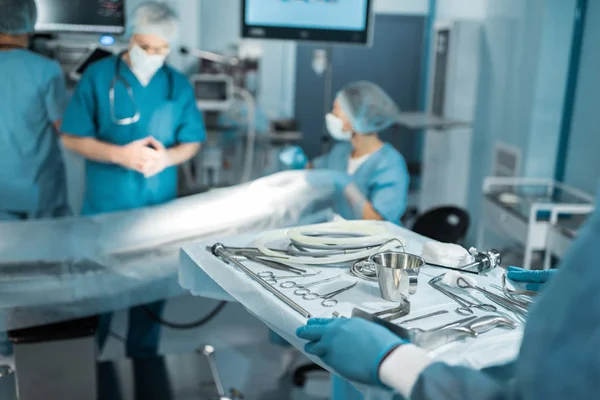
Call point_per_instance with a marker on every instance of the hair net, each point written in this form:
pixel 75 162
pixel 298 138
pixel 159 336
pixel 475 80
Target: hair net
pixel 368 107
pixel 17 17
pixel 153 18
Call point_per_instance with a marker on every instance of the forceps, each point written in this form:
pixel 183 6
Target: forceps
pixel 466 306
pixel 328 299
pixel 271 279
pixel 302 290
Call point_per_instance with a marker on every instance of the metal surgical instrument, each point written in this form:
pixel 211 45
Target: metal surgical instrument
pixel 328 299
pixel 519 308
pixel 219 251
pixel 433 314
pixel 511 292
pixel 254 255
pixel 302 290
pixel 271 279
pixel 275 265
pixel 466 306
pixel 394 313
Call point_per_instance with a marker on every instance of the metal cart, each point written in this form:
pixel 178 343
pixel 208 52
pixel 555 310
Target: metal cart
pixel 527 211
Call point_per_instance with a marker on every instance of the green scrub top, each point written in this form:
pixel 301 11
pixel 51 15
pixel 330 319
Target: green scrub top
pixel 168 112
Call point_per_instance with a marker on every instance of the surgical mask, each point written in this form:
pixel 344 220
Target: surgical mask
pixel 335 126
pixel 144 65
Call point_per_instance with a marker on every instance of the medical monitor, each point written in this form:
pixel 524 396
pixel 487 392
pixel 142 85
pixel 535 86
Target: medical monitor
pixel 87 16
pixel 344 21
pixel 213 92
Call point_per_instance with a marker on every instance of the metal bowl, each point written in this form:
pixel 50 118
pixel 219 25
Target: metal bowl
pixel 397 274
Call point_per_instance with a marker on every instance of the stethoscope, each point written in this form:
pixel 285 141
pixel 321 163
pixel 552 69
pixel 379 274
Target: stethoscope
pixel 119 79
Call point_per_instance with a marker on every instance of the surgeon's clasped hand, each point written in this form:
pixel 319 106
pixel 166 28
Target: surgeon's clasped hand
pixel 147 156
pixel 137 155
pixel 534 279
pixel 160 163
pixel 355 348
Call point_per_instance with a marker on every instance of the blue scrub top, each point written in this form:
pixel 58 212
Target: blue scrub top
pixel 383 179
pixel 110 187
pixel 32 173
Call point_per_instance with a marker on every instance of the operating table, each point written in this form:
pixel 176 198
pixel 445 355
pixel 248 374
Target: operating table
pixel 54 272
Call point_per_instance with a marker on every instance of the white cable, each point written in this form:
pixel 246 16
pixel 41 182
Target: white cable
pixel 371 234
pixel 368 229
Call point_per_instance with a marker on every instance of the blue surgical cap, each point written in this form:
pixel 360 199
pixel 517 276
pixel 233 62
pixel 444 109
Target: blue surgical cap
pixel 154 18
pixel 368 107
pixel 17 17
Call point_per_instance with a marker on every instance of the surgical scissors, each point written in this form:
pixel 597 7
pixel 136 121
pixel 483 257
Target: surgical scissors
pixel 302 290
pixel 466 306
pixel 271 279
pixel 328 299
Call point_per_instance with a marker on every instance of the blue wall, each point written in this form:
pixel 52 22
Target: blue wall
pixel 523 74
pixel 583 157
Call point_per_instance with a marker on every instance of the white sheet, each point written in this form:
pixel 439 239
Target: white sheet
pixel 205 275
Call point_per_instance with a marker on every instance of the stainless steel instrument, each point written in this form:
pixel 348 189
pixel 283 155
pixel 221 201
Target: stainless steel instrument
pixel 511 292
pixel 209 352
pixel 422 317
pixel 465 306
pixel 519 308
pixel 271 279
pixel 254 255
pixel 219 251
pixel 429 339
pixel 394 313
pixel 328 299
pixel 302 290
pixel 489 322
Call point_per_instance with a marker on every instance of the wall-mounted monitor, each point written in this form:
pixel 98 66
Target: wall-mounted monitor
pixel 342 21
pixel 88 16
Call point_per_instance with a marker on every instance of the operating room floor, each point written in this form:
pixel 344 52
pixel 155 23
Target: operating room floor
pixel 246 360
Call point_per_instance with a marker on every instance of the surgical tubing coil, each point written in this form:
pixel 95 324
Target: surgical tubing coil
pixel 373 237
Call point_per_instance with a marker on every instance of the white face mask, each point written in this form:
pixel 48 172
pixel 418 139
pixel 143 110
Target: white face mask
pixel 144 65
pixel 335 126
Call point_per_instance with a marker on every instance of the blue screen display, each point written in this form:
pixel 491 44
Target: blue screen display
pixel 343 15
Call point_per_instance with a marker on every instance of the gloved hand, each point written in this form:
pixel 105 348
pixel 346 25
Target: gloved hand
pixel 534 279
pixel 353 347
pixel 293 157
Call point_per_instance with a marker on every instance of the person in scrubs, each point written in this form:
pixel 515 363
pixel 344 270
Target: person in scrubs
pixel 32 173
pixel 557 359
pixel 371 174
pixel 135 119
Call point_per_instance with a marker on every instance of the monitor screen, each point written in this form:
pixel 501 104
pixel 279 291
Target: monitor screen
pixel 101 16
pixel 312 20
pixel 211 90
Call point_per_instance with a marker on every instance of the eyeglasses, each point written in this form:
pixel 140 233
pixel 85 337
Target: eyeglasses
pixel 163 51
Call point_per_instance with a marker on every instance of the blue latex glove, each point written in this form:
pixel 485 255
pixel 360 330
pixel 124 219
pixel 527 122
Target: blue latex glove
pixel 354 348
pixel 293 157
pixel 534 279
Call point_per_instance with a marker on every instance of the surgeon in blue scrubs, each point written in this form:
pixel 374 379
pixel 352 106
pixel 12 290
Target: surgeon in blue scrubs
pixel 371 175
pixel 34 98
pixel 135 119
